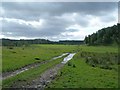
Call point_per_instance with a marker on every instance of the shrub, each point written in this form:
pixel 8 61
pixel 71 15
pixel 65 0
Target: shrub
pixel 10 47
pixel 102 60
pixel 69 64
pixel 74 65
pixel 13 52
pixel 37 58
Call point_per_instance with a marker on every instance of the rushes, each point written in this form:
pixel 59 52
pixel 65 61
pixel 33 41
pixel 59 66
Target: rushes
pixel 102 60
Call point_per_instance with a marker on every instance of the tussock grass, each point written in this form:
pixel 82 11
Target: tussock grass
pixel 102 60
pixel 84 76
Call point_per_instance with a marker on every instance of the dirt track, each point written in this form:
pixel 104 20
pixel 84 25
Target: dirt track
pixel 46 77
pixel 25 68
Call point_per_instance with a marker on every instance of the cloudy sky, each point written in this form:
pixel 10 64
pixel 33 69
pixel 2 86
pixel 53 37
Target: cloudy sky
pixel 55 21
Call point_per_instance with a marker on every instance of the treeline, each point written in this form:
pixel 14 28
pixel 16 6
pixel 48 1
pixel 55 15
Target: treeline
pixel 71 42
pixel 105 36
pixel 22 42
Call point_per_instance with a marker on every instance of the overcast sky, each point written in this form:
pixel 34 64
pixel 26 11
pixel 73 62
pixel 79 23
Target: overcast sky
pixel 55 21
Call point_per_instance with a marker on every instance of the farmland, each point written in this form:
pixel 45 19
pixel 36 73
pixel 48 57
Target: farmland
pixel 80 72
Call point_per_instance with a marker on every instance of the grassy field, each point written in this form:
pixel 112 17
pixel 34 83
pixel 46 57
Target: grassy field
pixel 99 49
pixel 18 57
pixel 77 73
pixel 28 76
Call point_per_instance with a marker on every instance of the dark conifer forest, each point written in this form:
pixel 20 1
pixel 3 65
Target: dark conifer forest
pixel 105 36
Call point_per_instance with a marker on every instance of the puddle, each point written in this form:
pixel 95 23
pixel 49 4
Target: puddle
pixel 10 74
pixel 60 56
pixel 69 57
pixel 49 75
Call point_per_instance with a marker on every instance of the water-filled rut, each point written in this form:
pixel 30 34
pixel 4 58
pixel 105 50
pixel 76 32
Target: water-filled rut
pixel 47 76
pixel 23 69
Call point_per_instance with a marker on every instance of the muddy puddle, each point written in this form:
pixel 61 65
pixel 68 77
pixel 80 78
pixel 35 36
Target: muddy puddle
pixel 69 57
pixel 49 75
pixel 60 56
pixel 13 73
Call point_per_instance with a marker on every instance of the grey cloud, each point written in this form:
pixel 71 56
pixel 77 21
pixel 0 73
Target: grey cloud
pixel 72 30
pixel 82 20
pixel 50 29
pixel 35 10
pixel 49 11
pixel 108 18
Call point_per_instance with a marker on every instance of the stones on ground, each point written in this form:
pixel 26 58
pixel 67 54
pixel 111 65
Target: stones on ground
pixel 43 82
pixel 39 86
pixel 28 85
pixel 23 86
pixel 48 82
pixel 33 81
pixel 51 76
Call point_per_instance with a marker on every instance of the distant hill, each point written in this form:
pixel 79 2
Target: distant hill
pixel 105 36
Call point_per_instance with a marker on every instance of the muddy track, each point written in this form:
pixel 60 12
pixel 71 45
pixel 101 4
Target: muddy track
pixel 46 77
pixel 13 73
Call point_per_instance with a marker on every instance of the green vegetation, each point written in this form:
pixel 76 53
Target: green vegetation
pixel 99 49
pixel 105 36
pixel 105 57
pixel 71 42
pixel 22 42
pixel 93 66
pixel 18 57
pixel 18 43
pixel 27 76
pixel 98 71
pixel 102 60
pixel 78 74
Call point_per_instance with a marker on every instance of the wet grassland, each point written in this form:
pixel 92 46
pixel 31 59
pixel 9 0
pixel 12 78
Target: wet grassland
pixel 91 67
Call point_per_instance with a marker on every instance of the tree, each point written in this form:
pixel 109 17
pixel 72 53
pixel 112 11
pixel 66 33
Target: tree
pixel 105 36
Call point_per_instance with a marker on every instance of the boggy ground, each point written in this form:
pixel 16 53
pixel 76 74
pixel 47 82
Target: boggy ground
pixel 46 75
pixel 18 57
pixel 75 74
pixel 79 74
pixel 27 67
